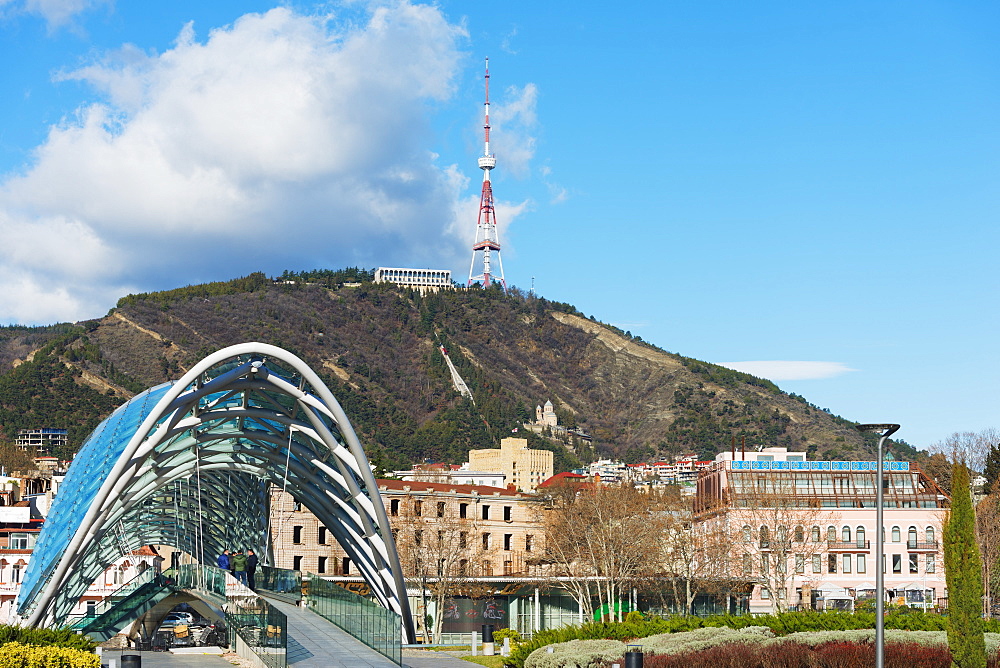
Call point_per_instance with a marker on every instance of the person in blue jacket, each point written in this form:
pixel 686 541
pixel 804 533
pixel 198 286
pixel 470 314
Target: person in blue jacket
pixel 223 560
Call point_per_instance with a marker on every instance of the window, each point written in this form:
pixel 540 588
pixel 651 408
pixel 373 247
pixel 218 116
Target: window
pixel 929 565
pixel 800 534
pixel 507 516
pixel 845 563
pixel 487 568
pixel 296 506
pixel 816 534
pixel 765 594
pixel 911 538
pixel 765 564
pixel 297 563
pixel 15 576
pixel 463 566
pixel 345 566
pixel 463 510
pixel 440 569
pixel 440 509
pixel 463 539
pixel 297 535
pixel 859 534
pixel 527 543
pixel 418 537
pixel 831 563
pixel 508 568
pixel 440 538
pixel 747 564
pixel 321 564
pixel 861 563
pixel 929 534
pixel 747 534
pixel 897 563
pixel 18 541
pixel 507 539
pixel 845 534
pixel 321 536
pixel 831 534
pixel 394 507
pixel 800 564
pixel 782 535
pixel 895 534
pixel 486 512
pixel 913 563
pixel 486 541
pixel 765 537
pixel 418 508
pixel 817 564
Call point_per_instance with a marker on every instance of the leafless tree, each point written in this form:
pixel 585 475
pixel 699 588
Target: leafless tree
pixel 969 447
pixel 988 536
pixel 439 551
pixel 780 534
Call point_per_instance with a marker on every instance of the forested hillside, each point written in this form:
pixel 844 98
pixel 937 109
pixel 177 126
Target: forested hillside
pixel 377 348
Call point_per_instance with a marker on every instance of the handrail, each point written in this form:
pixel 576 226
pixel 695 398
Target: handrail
pixel 366 620
pixel 112 600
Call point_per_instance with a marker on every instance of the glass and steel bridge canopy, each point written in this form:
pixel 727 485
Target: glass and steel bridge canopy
pixel 188 464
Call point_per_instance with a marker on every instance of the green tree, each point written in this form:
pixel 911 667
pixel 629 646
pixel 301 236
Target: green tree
pixel 963 572
pixel 992 470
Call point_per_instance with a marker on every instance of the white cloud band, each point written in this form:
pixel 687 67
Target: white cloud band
pixel 789 370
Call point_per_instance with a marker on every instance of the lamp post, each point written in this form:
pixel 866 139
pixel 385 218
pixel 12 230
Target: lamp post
pixel 884 431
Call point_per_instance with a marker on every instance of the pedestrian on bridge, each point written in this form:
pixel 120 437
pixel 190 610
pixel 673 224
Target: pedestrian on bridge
pixel 223 560
pixel 239 564
pixel 252 562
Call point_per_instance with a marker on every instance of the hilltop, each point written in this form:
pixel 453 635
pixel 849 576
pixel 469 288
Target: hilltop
pixel 377 346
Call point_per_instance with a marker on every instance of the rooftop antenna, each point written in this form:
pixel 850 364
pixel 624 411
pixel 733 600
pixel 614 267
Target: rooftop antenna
pixel 487 240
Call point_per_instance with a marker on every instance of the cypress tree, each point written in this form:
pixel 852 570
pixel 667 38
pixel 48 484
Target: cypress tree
pixel 963 573
pixel 992 470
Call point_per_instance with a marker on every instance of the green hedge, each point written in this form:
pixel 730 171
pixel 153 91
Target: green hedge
pixel 45 637
pixel 781 624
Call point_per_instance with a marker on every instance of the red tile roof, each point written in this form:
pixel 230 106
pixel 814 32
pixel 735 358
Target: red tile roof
pixel 571 478
pixel 414 486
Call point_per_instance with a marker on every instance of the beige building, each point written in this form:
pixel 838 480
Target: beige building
pixel 497 528
pixel 525 469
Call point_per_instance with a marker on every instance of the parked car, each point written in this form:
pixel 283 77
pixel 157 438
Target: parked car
pixel 177 619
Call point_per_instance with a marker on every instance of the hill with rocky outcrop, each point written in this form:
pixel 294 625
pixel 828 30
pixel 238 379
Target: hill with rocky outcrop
pixel 378 347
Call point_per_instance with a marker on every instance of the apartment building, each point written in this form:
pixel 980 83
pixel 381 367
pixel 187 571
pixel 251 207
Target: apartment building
pixel 523 467
pixel 804 531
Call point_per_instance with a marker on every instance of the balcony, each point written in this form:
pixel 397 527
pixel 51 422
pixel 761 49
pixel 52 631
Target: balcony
pixel 847 546
pixel 914 546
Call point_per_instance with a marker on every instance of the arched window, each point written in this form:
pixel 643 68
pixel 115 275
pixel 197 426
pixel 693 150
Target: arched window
pixel 845 534
pixel 831 533
pixel 911 537
pixel 816 533
pixel 895 534
pixel 747 534
pixel 765 537
pixel 800 534
pixel 929 532
pixel 859 534
pixel 782 534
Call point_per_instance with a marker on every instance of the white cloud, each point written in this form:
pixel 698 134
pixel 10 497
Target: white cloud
pixel 281 141
pixel 56 13
pixel 789 370
pixel 513 120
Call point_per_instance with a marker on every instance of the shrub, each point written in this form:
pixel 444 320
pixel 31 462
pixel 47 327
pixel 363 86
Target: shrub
pixel 702 639
pixel 576 654
pixel 16 655
pixel 515 637
pixel 45 637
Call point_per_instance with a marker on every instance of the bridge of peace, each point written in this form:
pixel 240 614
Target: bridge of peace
pixel 189 465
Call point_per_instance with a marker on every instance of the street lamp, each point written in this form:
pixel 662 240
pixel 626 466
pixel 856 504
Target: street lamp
pixel 884 431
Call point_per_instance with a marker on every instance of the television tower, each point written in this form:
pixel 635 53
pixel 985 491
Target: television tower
pixel 487 240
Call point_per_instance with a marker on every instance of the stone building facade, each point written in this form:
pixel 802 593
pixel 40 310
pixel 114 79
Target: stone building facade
pixel 502 532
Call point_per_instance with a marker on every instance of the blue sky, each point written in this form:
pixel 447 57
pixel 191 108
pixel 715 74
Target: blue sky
pixel 806 191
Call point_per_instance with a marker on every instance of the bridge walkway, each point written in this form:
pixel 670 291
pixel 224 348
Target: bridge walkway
pixel 314 642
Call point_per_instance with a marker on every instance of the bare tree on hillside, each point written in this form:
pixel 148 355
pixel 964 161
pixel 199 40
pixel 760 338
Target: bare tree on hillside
pixel 969 447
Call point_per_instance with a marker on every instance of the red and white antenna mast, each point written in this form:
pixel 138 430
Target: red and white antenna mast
pixel 487 240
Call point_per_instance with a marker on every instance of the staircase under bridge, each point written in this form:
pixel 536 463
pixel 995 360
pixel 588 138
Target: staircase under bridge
pixel 290 620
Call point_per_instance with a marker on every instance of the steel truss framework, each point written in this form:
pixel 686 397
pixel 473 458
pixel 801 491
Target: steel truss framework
pixel 188 464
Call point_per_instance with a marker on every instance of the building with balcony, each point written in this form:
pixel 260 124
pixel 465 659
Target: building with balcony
pixel 804 531
pixel 43 441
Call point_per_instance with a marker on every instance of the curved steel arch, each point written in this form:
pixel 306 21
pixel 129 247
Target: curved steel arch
pixel 188 464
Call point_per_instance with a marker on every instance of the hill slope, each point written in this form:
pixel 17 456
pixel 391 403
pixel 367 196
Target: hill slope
pixel 377 347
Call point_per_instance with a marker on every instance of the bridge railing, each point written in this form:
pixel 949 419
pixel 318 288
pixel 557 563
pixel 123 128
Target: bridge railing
pixel 366 620
pixel 281 583
pixel 261 627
